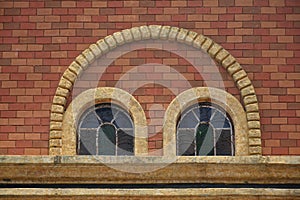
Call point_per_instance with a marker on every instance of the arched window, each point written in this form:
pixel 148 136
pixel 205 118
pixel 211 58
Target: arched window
pixel 105 129
pixel 205 129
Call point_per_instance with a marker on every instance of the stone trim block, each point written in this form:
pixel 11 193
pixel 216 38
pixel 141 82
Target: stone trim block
pixel 103 46
pixel 182 35
pixel 154 31
pixel 173 33
pixel 76 68
pixel 119 38
pixel 127 35
pixel 111 42
pixel 136 33
pixel 95 50
pixel 190 37
pixel 239 75
pixel 82 61
pixel 164 33
pixel 145 32
pixel 71 76
pixel 88 54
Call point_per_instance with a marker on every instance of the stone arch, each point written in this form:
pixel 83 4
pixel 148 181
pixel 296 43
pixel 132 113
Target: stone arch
pixel 94 96
pixel 206 94
pixel 102 46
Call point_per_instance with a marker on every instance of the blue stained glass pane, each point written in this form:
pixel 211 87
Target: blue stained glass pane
pixel 188 121
pixel 122 121
pixel 105 114
pixel 220 121
pixel 90 121
pixel 205 114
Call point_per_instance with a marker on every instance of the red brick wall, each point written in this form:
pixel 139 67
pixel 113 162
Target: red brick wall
pixel 40 39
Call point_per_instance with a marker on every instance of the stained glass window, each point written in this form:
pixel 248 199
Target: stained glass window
pixel 105 129
pixel 205 129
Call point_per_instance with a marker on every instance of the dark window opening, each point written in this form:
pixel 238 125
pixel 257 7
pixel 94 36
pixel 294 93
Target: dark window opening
pixel 105 129
pixel 205 129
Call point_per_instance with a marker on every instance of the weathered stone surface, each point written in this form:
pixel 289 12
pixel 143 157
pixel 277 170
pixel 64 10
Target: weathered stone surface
pixel 71 76
pixel 254 141
pixel 57 108
pixel 64 83
pixel 190 37
pixel 234 68
pixel 75 67
pixel 197 43
pixel 253 124
pixel 127 35
pixel 253 116
pixel 55 125
pixel 252 107
pixel 250 99
pixel 95 50
pixel 135 31
pixel 239 75
pixel 55 134
pixel 59 100
pixel 243 82
pixel 182 35
pixel 110 41
pixel 55 143
pixel 228 61
pixel 56 117
pixel 164 33
pixel 255 150
pixel 150 193
pixel 119 38
pixel 208 42
pixel 62 92
pixel 249 90
pixel 173 33
pixel 103 46
pixel 154 31
pixel 145 32
pixel 90 57
pixel 215 48
pixel 55 151
pixel 221 55
pixel 82 61
pixel 255 133
pixel 202 169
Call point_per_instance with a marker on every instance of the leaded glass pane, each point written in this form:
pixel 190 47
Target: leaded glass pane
pixel 107 140
pixel 90 121
pixel 87 143
pixel 204 140
pixel 105 129
pixel 186 146
pixel 223 146
pixel 125 142
pixel 205 129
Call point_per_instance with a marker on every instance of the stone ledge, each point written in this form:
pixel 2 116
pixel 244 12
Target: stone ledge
pixel 202 193
pixel 105 170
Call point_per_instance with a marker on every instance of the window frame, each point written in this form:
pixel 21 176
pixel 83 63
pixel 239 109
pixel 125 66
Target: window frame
pixel 206 94
pixel 99 95
pixel 217 109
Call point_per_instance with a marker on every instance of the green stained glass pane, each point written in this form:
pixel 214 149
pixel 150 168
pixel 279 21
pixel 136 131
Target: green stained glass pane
pixel 107 140
pixel 204 140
